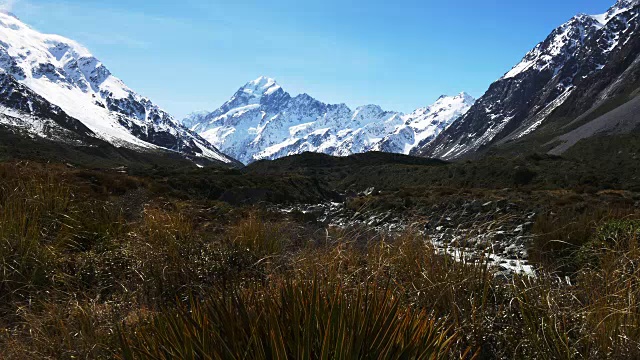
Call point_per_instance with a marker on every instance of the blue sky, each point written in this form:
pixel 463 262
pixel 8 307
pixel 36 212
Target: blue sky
pixel 189 55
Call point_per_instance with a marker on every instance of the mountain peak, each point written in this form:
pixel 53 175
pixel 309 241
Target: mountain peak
pixel 262 80
pixel 463 95
pixel 261 86
pixel 466 97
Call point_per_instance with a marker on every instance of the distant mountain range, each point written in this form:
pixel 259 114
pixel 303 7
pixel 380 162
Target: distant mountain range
pixel 581 81
pixel 262 121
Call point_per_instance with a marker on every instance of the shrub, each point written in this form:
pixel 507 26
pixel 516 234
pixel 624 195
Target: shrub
pixel 296 320
pixel 559 237
pixel 259 236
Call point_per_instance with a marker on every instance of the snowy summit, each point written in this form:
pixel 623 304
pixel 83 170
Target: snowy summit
pixel 262 121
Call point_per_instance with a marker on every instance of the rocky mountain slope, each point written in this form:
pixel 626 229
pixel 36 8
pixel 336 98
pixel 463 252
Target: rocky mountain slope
pixel 54 88
pixel 262 121
pixel 576 69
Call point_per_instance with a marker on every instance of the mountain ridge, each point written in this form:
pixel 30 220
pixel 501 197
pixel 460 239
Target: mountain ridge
pixel 521 102
pixel 65 74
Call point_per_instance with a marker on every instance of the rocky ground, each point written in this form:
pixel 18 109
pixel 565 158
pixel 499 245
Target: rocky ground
pixel 498 232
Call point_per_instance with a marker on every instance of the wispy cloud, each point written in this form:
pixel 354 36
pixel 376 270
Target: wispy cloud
pixel 115 39
pixel 41 14
pixel 7 5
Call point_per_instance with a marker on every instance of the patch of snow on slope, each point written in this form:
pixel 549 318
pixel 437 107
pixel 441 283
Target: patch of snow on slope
pixel 542 115
pixel 35 126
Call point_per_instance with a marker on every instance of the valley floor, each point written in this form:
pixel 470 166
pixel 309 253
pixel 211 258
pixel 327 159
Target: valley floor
pixel 316 260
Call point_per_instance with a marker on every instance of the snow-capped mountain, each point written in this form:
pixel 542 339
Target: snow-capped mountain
pixel 262 121
pixel 58 72
pixel 522 100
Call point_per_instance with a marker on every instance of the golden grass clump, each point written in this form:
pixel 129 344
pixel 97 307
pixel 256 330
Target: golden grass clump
pixel 293 320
